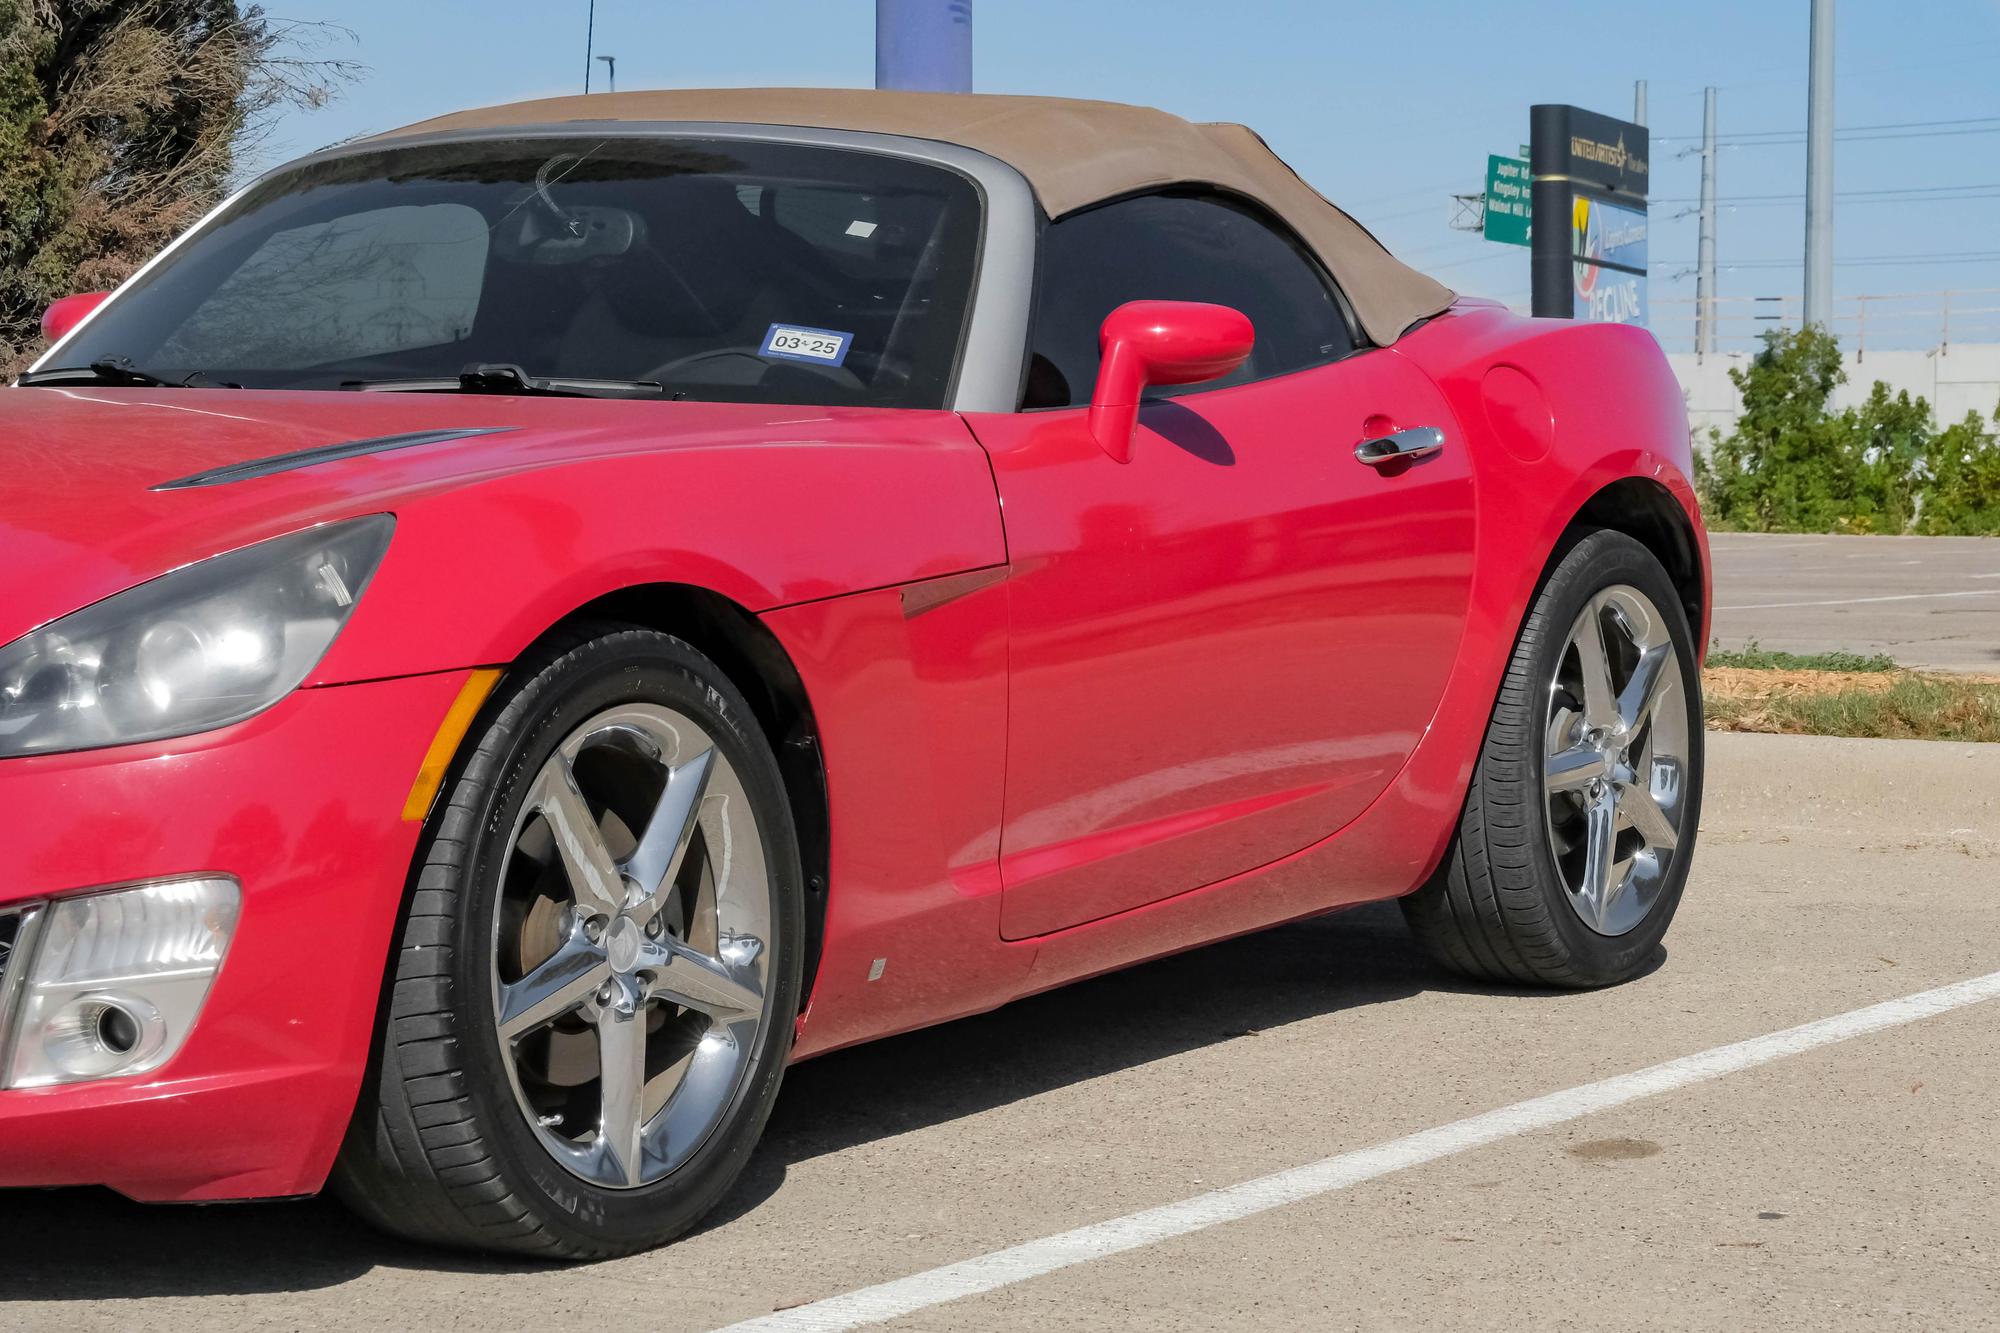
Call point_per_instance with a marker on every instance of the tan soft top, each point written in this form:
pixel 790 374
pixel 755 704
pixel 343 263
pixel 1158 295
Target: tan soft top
pixel 1073 154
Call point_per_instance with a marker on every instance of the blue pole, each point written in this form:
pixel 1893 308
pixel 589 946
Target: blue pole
pixel 924 45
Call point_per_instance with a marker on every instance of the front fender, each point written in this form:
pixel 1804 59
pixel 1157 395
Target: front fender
pixel 478 571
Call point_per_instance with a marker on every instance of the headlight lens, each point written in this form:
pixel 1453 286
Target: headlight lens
pixel 196 649
pixel 117 980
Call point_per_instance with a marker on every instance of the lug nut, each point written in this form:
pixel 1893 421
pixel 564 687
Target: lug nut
pixel 655 928
pixel 593 928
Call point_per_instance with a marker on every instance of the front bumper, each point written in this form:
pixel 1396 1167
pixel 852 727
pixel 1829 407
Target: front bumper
pixel 300 804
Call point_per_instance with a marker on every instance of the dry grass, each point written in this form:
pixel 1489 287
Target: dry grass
pixel 1870 703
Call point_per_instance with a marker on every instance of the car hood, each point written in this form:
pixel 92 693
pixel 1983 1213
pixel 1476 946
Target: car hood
pixel 86 509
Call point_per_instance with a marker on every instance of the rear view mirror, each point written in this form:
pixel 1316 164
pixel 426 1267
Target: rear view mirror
pixel 1144 343
pixel 66 314
pixel 531 236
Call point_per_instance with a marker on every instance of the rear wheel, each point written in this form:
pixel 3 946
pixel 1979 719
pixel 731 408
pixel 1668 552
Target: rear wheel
pixel 592 999
pixel 1579 826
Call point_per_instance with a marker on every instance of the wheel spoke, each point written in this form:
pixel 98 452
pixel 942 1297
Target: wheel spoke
pixel 1600 696
pixel 723 990
pixel 1575 768
pixel 621 1054
pixel 1600 844
pixel 557 985
pixel 656 862
pixel 1636 800
pixel 1642 693
pixel 593 875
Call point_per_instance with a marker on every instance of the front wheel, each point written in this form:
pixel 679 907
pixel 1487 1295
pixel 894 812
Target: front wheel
pixel 593 997
pixel 1579 825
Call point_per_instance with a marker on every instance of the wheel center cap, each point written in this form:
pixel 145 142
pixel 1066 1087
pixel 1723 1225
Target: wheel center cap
pixel 622 945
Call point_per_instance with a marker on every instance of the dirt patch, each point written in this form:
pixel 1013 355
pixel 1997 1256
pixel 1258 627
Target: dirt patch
pixel 1752 683
pixel 1614 1150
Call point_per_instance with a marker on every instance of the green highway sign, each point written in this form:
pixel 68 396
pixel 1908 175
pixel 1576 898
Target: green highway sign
pixel 1507 210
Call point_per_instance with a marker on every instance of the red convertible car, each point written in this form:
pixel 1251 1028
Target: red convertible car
pixel 518 628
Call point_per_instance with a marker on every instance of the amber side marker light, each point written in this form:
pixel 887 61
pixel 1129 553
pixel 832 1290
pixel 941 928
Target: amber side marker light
pixel 457 720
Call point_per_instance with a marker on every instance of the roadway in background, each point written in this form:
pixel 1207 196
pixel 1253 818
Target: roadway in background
pixel 1931 602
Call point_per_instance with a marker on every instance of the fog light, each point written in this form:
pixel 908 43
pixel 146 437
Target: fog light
pixel 117 979
pixel 99 1034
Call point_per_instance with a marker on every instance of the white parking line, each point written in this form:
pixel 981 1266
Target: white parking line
pixel 1758 542
pixel 987 1272
pixel 1856 601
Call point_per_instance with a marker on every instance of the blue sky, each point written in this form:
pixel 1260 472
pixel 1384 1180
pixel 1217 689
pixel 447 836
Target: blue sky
pixel 1388 107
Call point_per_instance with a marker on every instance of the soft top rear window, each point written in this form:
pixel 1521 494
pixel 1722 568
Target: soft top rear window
pixel 723 270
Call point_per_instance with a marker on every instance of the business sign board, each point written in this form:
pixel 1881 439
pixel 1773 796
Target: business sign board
pixel 1507 200
pixel 1608 245
pixel 1604 154
pixel 1588 176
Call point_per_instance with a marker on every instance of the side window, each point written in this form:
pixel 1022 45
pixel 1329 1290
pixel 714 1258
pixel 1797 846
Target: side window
pixel 361 285
pixel 1175 247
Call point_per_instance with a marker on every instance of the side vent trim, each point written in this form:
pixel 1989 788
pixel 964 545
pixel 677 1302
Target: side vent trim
pixel 326 453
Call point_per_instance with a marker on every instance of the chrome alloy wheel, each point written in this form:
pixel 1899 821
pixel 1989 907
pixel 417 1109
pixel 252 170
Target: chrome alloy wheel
pixel 1615 759
pixel 631 946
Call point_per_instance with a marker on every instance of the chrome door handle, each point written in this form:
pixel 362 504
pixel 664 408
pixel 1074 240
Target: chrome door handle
pixel 1416 442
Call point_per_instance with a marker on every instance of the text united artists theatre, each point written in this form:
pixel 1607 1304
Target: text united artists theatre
pixel 1614 156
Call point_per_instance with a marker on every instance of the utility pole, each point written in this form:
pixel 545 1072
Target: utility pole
pixel 1819 168
pixel 610 73
pixel 1704 273
pixel 1639 102
pixel 924 45
pixel 589 41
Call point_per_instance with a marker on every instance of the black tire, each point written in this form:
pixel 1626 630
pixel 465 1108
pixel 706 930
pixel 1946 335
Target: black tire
pixel 438 1150
pixel 1497 909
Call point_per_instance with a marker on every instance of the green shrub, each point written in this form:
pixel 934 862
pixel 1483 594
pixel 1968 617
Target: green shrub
pixel 1794 465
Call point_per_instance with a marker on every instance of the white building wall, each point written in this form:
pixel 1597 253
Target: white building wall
pixel 1959 378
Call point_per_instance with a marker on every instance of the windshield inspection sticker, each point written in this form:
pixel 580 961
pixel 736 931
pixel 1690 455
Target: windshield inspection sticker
pixel 795 342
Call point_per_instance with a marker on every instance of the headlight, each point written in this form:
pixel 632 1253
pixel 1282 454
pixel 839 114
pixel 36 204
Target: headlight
pixel 201 647
pixel 116 979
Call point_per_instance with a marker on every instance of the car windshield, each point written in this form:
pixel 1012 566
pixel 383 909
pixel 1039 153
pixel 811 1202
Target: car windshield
pixel 722 270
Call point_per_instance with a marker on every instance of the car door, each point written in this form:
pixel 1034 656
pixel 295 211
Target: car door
pixel 1224 649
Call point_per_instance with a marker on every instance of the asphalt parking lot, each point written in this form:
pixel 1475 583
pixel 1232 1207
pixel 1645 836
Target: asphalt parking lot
pixel 1849 1184
pixel 1931 602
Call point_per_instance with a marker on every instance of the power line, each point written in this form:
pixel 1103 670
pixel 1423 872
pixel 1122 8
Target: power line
pixel 1376 218
pixel 1887 130
pixel 1505 252
pixel 1870 129
pixel 1961 257
pixel 1732 205
pixel 1870 138
pixel 1908 191
pixel 1352 206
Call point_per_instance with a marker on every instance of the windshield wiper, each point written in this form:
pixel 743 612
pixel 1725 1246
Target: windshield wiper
pixel 489 377
pixel 117 370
